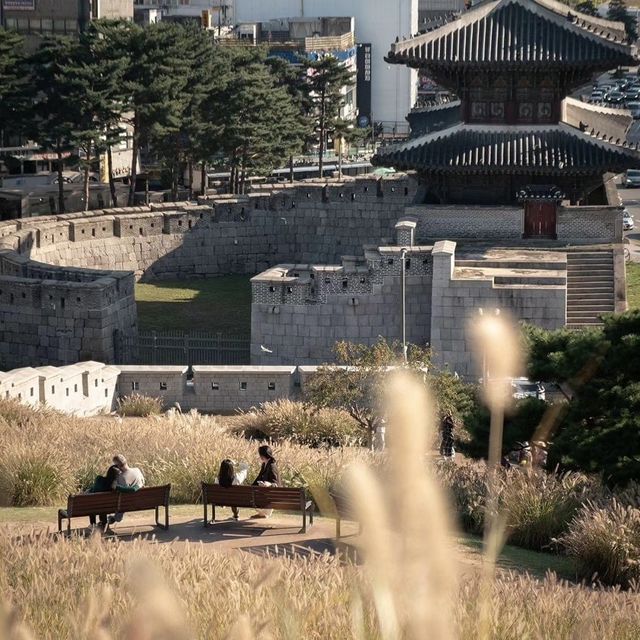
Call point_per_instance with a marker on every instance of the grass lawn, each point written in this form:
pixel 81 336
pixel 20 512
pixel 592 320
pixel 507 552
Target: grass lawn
pixel 516 559
pixel 212 304
pixel 633 285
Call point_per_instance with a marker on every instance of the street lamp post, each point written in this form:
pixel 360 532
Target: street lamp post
pixel 403 280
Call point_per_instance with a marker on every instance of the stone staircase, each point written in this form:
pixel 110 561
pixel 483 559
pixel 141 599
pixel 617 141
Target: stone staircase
pixel 590 287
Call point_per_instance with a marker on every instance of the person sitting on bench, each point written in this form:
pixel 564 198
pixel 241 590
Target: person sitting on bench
pixel 228 476
pixel 129 480
pixel 106 482
pixel 268 476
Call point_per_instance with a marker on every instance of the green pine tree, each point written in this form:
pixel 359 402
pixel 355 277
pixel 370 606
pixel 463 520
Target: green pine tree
pixel 327 79
pixel 618 12
pixel 13 85
pixel 56 112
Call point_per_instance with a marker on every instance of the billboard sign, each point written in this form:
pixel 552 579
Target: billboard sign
pixel 19 5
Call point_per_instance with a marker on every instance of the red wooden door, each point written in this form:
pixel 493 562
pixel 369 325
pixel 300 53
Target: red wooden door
pixel 540 219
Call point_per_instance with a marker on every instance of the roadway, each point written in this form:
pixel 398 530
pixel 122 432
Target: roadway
pixel 631 200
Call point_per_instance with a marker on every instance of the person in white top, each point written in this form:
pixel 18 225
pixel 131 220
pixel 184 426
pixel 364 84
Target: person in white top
pixel 231 474
pixel 129 479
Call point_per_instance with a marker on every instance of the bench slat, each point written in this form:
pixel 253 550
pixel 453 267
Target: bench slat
pixel 87 504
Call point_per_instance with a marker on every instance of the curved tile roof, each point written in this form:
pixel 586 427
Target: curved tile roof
pixel 485 149
pixel 519 32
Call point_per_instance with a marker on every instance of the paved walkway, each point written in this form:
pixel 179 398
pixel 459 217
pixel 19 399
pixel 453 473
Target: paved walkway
pixel 279 535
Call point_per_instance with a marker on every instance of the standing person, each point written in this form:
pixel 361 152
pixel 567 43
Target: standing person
pixel 106 482
pixel 130 479
pixel 228 477
pixel 447 449
pixel 268 476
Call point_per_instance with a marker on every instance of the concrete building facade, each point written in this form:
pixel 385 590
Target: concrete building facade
pixel 36 19
pixel 377 22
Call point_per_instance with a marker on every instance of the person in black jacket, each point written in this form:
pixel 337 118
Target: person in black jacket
pixel 268 476
pixel 104 483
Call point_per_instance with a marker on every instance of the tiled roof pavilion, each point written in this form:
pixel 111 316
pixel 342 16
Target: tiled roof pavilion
pixel 512 62
pixel 531 150
pixel 517 32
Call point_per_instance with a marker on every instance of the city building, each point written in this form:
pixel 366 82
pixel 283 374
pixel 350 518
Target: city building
pixel 377 23
pixel 35 19
pixel 210 13
pixel 298 39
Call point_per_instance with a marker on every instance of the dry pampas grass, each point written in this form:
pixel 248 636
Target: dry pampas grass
pixel 410 586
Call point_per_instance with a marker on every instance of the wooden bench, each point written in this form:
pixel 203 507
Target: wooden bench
pixel 343 510
pixel 254 497
pixel 94 504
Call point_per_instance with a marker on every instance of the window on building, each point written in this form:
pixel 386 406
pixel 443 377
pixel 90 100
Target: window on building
pixel 66 392
pixel 272 386
pixel 31 392
pixel 95 10
pixel 96 382
pixel 75 388
pixel 215 386
pixel 53 388
pixel 243 386
pixel 135 386
pixel 163 386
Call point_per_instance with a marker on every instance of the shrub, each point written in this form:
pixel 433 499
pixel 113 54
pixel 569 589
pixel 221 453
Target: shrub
pixel 34 479
pixel 467 487
pixel 605 542
pixel 540 505
pixel 139 406
pixel 520 425
pixel 301 423
pixel 41 460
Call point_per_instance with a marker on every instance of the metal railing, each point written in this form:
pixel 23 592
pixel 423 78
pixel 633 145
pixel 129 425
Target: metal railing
pixel 181 348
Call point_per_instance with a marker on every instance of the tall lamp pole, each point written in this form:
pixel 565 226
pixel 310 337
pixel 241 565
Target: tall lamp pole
pixel 403 280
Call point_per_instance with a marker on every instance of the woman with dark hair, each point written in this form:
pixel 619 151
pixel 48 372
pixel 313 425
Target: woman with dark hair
pixel 268 476
pixel 228 476
pixel 104 483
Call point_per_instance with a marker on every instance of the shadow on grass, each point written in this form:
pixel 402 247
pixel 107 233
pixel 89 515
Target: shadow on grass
pixel 536 563
pixel 209 304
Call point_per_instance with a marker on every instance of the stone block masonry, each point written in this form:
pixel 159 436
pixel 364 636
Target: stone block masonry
pixel 54 315
pixel 53 310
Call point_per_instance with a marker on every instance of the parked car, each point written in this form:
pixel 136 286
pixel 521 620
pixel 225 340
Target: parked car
pixel 614 97
pixel 524 388
pixel 627 221
pixel 597 96
pixel 632 179
pixel 634 108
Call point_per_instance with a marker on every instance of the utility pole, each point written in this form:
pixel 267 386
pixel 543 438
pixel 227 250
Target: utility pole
pixel 403 281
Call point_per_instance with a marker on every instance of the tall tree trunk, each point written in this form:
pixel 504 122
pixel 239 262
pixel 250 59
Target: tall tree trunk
pixel 322 135
pixel 291 174
pixel 190 173
pixel 61 208
pixel 134 162
pixel 174 180
pixel 203 179
pixel 85 177
pixel 112 182
pixel 244 171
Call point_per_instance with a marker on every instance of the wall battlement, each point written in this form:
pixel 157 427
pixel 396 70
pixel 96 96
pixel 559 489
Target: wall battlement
pixel 46 258
pixel 89 388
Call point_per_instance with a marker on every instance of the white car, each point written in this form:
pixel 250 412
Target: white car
pixel 524 388
pixel 627 221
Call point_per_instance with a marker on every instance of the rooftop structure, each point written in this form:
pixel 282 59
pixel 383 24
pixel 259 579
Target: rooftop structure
pixel 512 63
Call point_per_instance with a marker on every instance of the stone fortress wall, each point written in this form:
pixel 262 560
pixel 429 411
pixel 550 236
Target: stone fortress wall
pixel 90 388
pixel 294 319
pixel 53 310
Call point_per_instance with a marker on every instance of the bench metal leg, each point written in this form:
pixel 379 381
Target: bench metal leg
pixel 311 510
pixel 164 526
pixel 206 514
pixel 304 520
